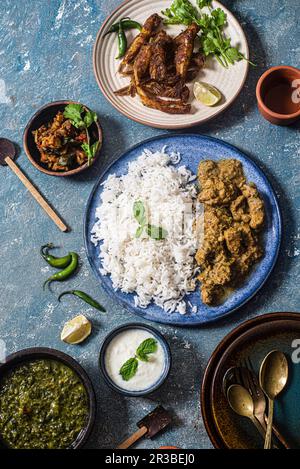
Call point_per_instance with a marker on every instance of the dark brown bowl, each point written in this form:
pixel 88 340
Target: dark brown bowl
pixel 255 338
pixel 40 352
pixel 43 116
pixel 275 93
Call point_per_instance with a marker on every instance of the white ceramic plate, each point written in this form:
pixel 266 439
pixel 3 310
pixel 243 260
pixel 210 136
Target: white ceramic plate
pixel 229 81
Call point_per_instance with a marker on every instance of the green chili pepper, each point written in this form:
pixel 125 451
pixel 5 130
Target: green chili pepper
pixel 122 41
pixel 66 273
pixel 85 298
pixel 57 262
pixel 127 24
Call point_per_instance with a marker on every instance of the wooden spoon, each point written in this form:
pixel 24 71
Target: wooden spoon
pixel 7 155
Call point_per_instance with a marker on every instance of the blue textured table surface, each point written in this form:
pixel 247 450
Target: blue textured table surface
pixel 45 55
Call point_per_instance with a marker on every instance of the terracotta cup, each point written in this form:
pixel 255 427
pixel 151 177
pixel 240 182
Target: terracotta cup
pixel 278 95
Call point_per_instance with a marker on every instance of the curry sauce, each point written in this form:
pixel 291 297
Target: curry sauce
pixel 234 216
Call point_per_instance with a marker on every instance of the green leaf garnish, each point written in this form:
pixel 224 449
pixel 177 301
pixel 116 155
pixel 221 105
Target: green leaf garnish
pixel 139 232
pixel 145 348
pixel 129 369
pixel 139 212
pixel 73 112
pixel 204 3
pixel 83 119
pixel 156 232
pixel 89 118
pixel 213 41
pixel 90 150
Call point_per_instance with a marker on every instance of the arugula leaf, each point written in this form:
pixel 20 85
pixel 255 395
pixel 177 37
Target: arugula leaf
pixel 156 232
pixel 129 369
pixel 145 348
pixel 139 212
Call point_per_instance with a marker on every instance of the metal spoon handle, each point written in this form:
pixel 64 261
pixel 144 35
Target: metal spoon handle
pixel 268 439
pixel 258 426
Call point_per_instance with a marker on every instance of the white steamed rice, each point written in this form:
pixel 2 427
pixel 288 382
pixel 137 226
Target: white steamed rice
pixel 155 271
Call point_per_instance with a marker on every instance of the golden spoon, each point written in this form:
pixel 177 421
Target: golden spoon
pixel 241 402
pixel 273 376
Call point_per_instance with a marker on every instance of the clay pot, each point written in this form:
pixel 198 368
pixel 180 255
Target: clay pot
pixel 278 95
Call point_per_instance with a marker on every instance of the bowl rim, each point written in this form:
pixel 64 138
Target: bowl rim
pixel 34 353
pixel 267 73
pixel 168 359
pixel 31 122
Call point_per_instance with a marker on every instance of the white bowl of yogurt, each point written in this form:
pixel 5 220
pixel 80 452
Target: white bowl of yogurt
pixel 135 359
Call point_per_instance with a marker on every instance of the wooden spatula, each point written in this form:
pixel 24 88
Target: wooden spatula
pixel 7 155
pixel 149 426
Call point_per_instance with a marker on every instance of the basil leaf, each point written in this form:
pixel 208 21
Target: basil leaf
pixel 139 231
pixel 156 232
pixel 139 212
pixel 145 348
pixel 128 370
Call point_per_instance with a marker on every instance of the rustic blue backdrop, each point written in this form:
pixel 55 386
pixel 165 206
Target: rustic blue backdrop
pixel 45 55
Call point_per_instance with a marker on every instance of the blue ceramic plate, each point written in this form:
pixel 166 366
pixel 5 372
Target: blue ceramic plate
pixel 193 148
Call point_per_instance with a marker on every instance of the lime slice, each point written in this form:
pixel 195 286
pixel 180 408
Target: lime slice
pixel 206 94
pixel 76 330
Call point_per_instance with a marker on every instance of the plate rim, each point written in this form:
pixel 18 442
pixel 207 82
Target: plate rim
pixel 167 320
pixel 166 126
pixel 211 367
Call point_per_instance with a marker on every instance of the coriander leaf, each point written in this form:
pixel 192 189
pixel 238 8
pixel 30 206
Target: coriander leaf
pixel 90 150
pixel 129 369
pixel 139 232
pixel 204 3
pixel 208 46
pixel 156 232
pixel 89 118
pixel 181 12
pixel 145 348
pixel 233 54
pixel 219 16
pixel 73 112
pixel 139 212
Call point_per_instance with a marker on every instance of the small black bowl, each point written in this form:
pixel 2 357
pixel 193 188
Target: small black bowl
pixel 164 345
pixel 44 116
pixel 37 353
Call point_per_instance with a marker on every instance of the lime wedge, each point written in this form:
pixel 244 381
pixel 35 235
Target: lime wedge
pixel 206 94
pixel 76 330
